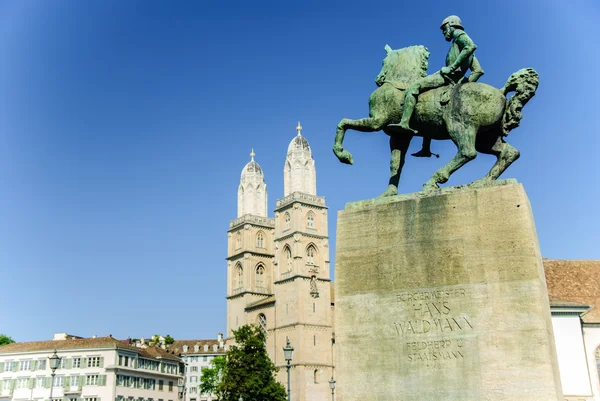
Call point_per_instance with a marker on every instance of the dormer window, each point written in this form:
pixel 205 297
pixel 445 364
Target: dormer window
pixel 196 348
pixel 205 348
pixel 185 348
pixel 215 347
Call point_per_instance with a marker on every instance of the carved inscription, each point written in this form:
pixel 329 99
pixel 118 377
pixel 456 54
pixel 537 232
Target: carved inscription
pixel 432 312
pixel 433 353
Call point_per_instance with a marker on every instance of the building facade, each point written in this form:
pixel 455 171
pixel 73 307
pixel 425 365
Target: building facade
pixel 197 355
pixel 574 291
pixel 92 369
pixel 278 273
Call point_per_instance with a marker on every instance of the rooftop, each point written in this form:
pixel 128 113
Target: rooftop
pixel 575 281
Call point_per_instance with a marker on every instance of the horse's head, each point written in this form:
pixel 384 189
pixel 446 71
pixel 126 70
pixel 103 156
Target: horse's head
pixel 403 66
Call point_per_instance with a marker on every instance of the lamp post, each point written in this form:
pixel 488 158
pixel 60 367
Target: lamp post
pixel 288 352
pixel 181 388
pixel 54 362
pixel 332 387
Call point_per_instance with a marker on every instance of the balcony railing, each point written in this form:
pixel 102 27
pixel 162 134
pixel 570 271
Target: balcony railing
pixel 285 275
pixel 238 290
pixel 249 218
pixel 300 196
pixel 261 290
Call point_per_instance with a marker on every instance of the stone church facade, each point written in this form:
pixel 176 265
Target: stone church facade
pixel 278 273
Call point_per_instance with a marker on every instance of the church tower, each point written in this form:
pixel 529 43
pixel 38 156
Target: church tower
pixel 278 271
pixel 302 283
pixel 249 248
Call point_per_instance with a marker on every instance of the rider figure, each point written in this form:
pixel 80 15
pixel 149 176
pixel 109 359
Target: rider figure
pixel 459 59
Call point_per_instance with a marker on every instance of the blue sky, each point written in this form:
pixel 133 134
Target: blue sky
pixel 124 126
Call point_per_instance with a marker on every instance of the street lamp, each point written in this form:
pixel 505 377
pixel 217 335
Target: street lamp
pixel 54 362
pixel 181 388
pixel 332 387
pixel 288 352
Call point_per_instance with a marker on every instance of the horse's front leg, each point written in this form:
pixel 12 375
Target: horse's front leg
pixel 399 148
pixel 364 124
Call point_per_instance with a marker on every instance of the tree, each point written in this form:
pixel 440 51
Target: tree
pixel 211 377
pixel 249 372
pixel 5 340
pixel 169 340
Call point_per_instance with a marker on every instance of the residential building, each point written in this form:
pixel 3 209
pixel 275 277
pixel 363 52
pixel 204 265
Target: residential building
pixel 197 355
pixel 574 292
pixel 278 273
pixel 92 369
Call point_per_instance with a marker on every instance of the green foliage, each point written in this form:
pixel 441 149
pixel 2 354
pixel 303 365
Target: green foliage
pixel 5 340
pixel 169 340
pixel 211 377
pixel 248 370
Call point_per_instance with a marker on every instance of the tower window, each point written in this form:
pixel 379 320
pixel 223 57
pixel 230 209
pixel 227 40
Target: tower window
pixel 310 220
pixel 287 221
pixel 260 273
pixel 262 323
pixel 288 258
pixel 259 240
pixel 238 241
pixel 310 255
pixel 240 276
pixel 316 376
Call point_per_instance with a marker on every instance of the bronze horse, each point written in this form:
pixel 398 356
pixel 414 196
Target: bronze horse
pixel 475 116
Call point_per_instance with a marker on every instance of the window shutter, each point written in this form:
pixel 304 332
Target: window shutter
pixel 12 384
pixel 80 384
pixel 47 382
pixel 2 366
pixel 35 365
pixel 31 382
pixel 14 367
pixel 101 361
pixel 66 382
pixel 69 363
pixel 83 363
pixel 102 380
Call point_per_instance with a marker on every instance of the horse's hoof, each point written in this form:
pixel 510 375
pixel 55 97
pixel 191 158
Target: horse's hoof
pixel 344 156
pixel 430 186
pixel 390 191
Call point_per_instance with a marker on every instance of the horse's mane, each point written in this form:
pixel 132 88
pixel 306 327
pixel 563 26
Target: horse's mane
pixel 404 66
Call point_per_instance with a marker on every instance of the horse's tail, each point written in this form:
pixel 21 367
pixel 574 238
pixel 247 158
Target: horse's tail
pixel 524 83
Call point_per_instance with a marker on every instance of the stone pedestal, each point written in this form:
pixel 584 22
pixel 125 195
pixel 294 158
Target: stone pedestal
pixel 443 297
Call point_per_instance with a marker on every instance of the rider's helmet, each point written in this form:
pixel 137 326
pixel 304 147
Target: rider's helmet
pixel 453 21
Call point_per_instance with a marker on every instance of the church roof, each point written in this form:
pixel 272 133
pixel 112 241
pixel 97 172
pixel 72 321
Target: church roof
pixel 298 143
pixel 575 281
pixel 252 168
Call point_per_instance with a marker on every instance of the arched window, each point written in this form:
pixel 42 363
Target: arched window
pixel 310 220
pixel 240 276
pixel 288 258
pixel 262 323
pixel 316 376
pixel 238 240
pixel 260 274
pixel 287 221
pixel 310 255
pixel 260 240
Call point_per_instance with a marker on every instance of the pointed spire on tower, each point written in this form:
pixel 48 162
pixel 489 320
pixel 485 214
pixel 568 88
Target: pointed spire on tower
pixel 252 154
pixel 299 128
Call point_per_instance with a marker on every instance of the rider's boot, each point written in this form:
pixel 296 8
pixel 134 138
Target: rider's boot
pixel 409 105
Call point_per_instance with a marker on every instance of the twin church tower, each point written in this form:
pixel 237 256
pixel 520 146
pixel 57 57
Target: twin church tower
pixel 278 271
